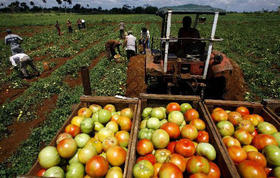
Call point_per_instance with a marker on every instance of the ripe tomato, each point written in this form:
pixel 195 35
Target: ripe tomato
pixel 67 148
pixel 148 157
pixel 199 175
pixel 252 118
pixel 230 141
pixel 257 157
pixel 123 138
pixel 110 107
pixel 249 168
pixel 202 136
pixel 157 167
pixel 115 118
pixel 72 129
pixel 243 136
pixel 262 140
pixel 191 114
pixel 189 132
pixel 171 146
pixel 41 172
pixel 169 170
pixel 214 171
pixel 258 117
pixel 254 133
pixel 125 123
pixel 237 154
pixel 218 109
pixel 97 166
pixel 234 117
pixel 219 115
pixel 172 129
pixel 179 161
pixel 185 147
pixel 116 155
pixel 173 107
pixel 198 123
pixel 144 146
pixel 86 112
pixel 243 110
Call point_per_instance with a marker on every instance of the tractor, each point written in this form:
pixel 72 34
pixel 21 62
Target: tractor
pixel 194 69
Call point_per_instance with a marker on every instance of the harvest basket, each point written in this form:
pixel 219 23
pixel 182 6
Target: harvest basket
pixel 254 107
pixel 85 101
pixel 152 100
pixel 273 107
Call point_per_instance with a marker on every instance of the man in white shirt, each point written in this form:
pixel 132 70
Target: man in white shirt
pixel 14 41
pixel 21 61
pixel 130 45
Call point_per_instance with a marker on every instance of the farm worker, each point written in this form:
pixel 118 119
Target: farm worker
pixel 21 61
pixel 110 47
pixel 58 28
pixel 14 41
pixel 121 29
pixel 145 39
pixel 69 25
pixel 83 23
pixel 130 45
pixel 79 23
pixel 185 45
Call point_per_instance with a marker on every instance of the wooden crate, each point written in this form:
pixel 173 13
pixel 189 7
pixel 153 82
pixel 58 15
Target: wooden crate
pixel 254 107
pixel 151 100
pixel 85 101
pixel 273 107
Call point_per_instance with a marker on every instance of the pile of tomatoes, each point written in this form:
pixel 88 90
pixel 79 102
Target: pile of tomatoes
pixel 172 142
pixel 252 143
pixel 94 144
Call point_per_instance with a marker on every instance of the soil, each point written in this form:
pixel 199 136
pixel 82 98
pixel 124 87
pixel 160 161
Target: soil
pixel 20 131
pixel 136 76
pixel 10 93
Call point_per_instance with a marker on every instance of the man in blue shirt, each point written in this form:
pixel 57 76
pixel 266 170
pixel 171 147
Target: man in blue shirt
pixel 14 41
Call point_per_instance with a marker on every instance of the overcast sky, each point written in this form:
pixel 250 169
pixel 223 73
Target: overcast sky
pixel 229 5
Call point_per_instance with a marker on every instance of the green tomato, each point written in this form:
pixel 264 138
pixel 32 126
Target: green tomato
pixel 158 113
pixel 82 139
pixel 272 154
pixel 207 150
pixel 75 170
pixel 163 121
pixel 54 171
pixel 87 125
pixel 143 169
pixel 277 137
pixel 266 128
pixel 147 112
pixel 143 124
pixel 145 133
pixel 153 123
pixel 95 117
pixel 98 126
pixel 185 107
pixel 104 116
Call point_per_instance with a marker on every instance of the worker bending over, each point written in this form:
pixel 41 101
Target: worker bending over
pixel 110 47
pixel 21 61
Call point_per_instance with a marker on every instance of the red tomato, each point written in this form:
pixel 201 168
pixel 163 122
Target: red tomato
pixel 41 172
pixel 179 161
pixel 249 168
pixel 202 136
pixel 191 114
pixel 257 157
pixel 116 155
pixel 252 118
pixel 237 154
pixel 173 107
pixel 189 132
pixel 218 109
pixel 198 175
pixel 185 147
pixel 169 170
pixel 157 167
pixel 172 129
pixel 97 166
pixel 67 148
pixel 148 157
pixel 267 170
pixel 144 146
pixel 230 141
pixel 262 140
pixel 243 110
pixel 115 118
pixel 72 129
pixel 219 115
pixel 171 146
pixel 234 117
pixel 254 133
pixel 214 171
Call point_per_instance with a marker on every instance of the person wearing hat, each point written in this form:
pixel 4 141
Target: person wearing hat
pixel 121 29
pixel 14 41
pixel 110 47
pixel 130 45
pixel 21 61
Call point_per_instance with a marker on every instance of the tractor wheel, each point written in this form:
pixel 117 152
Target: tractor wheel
pixel 136 76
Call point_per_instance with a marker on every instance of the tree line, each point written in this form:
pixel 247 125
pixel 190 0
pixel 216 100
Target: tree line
pixel 64 6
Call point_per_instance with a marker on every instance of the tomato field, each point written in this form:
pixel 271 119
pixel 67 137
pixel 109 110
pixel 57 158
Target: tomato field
pixel 33 110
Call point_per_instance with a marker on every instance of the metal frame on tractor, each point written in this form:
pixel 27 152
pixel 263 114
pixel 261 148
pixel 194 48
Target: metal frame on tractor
pixel 172 79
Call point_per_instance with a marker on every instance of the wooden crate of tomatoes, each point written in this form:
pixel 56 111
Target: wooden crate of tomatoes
pixel 249 134
pixel 172 138
pixel 273 107
pixel 94 141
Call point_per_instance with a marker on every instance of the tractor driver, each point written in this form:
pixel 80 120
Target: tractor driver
pixel 187 46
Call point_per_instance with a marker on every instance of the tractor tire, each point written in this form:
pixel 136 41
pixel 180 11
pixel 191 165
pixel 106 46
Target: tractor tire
pixel 136 76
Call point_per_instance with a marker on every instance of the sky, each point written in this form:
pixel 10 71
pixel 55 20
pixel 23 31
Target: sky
pixel 229 5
